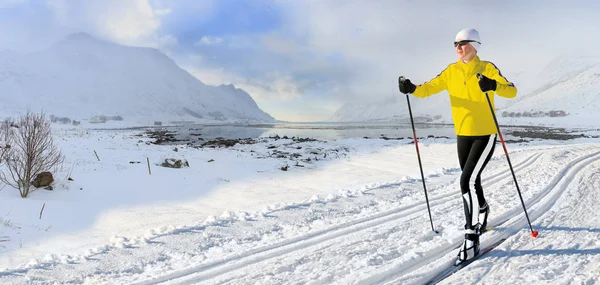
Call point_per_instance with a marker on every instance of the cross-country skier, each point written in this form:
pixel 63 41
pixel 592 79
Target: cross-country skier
pixel 473 122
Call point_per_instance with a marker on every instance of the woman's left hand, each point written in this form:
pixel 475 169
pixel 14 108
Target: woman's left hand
pixel 487 84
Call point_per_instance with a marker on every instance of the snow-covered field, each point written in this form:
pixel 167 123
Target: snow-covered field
pixel 354 213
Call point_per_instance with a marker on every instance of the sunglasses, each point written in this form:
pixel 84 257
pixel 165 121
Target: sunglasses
pixel 463 43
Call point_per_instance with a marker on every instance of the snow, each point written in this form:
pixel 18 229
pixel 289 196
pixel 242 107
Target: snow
pixel 281 210
pixel 354 214
pixel 81 78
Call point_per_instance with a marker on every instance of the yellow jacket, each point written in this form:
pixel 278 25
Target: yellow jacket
pixel 470 110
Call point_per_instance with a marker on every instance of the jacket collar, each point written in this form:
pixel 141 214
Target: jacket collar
pixel 470 67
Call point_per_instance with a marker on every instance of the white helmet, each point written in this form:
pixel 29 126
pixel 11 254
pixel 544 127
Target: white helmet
pixel 469 35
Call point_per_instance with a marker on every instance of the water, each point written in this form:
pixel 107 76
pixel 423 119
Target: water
pixel 319 131
pixel 332 131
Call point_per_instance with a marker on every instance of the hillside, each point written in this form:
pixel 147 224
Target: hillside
pixel 82 77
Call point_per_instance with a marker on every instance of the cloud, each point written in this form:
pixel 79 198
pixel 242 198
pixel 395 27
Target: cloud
pixel 209 40
pixel 327 52
pixel 379 41
pixel 279 95
pixel 274 86
pixel 210 76
pixel 10 3
pixel 162 12
pixel 279 44
pixel 29 25
pixel 271 87
pixel 133 22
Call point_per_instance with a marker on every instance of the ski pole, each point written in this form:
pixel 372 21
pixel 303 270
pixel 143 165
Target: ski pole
pixel 400 80
pixel 533 233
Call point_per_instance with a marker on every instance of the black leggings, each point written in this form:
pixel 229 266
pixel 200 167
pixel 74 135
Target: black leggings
pixel 474 152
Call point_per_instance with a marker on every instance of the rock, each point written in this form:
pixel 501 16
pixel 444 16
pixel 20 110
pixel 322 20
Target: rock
pixel 175 163
pixel 43 179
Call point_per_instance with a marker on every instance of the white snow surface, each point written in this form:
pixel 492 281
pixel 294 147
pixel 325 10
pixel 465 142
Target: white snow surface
pixel 81 77
pixel 354 214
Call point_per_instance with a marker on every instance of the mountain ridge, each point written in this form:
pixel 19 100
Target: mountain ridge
pixel 82 77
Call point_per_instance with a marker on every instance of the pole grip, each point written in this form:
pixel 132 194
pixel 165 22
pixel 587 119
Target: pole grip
pixel 401 80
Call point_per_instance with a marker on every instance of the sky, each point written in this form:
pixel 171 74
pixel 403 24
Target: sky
pixel 301 60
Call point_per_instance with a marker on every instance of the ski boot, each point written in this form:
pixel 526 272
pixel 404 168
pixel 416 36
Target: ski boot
pixel 470 247
pixel 482 219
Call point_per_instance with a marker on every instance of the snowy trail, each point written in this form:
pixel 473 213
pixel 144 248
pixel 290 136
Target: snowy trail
pixel 411 212
pixel 377 234
pixel 304 241
pixel 536 207
pixel 420 259
pixel 568 250
pixel 372 223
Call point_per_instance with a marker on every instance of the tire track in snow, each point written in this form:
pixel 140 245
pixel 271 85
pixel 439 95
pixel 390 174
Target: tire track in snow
pixel 536 207
pixel 208 271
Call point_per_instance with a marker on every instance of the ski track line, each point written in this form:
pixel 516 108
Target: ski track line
pixel 564 176
pixel 211 270
pixel 402 211
pixel 542 204
pixel 536 207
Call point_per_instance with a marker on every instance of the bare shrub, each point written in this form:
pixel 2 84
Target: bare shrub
pixel 32 151
pixel 4 134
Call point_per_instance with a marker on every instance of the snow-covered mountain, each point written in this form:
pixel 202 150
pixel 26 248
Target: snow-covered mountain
pixel 82 77
pixel 395 109
pixel 571 84
pixel 357 112
pixel 567 86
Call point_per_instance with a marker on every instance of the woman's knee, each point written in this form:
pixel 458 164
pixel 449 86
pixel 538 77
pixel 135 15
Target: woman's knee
pixel 464 184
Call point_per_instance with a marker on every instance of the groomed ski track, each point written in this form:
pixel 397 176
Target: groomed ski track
pixel 537 205
pixel 411 212
pixel 376 244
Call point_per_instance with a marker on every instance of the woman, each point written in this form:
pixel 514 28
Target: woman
pixel 473 122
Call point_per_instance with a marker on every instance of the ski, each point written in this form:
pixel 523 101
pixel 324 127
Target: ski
pixel 456 267
pixel 486 230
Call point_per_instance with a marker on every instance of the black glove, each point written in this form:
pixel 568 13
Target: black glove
pixel 487 84
pixel 406 86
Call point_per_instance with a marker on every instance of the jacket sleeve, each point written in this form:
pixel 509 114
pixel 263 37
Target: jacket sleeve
pixel 433 86
pixel 504 87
